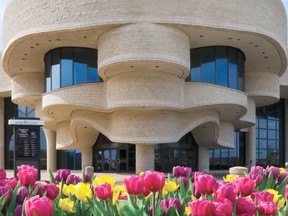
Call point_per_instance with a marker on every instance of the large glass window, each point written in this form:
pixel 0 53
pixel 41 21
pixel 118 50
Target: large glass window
pixel 223 159
pixel 218 65
pixel 68 66
pixel 269 135
pixel 69 159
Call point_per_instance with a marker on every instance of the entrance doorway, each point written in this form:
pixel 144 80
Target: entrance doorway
pixel 112 160
pixel 113 157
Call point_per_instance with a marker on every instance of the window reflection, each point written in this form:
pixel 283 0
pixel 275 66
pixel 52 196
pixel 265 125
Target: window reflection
pixel 218 65
pixel 70 66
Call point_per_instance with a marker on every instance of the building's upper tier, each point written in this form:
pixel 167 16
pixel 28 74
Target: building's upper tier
pixel 31 28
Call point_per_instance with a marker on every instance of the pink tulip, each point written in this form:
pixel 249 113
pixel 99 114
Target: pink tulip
pixel 181 171
pixel 154 181
pixel 267 208
pixel 245 207
pixel 12 182
pixel 168 203
pixel 103 192
pixel 27 168
pixel 286 191
pixel 2 174
pixel 183 179
pixel 51 191
pixel 38 206
pixel 226 190
pixel 204 184
pixel 244 186
pixel 223 207
pixel 256 178
pixel 134 184
pixel 262 196
pixel 27 177
pixel 201 207
pixel 256 170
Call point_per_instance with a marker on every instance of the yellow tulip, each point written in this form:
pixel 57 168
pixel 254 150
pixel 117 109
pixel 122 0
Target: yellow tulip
pixel 83 191
pixel 188 211
pixel 169 186
pixel 276 195
pixel 282 170
pixel 102 180
pixel 67 205
pixel 281 202
pixel 230 178
pixel 68 190
pixel 117 191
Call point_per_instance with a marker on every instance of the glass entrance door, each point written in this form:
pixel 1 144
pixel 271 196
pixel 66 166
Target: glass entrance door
pixel 112 160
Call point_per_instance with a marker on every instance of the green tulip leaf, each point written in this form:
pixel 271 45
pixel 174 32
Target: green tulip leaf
pixel 12 204
pixel 281 187
pixel 51 177
pixel 172 211
pixel 126 209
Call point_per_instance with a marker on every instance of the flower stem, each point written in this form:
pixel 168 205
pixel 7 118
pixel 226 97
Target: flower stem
pixel 153 204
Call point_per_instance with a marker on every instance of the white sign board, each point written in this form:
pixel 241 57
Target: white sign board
pixel 25 122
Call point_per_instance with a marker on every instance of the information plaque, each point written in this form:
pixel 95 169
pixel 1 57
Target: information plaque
pixel 27 145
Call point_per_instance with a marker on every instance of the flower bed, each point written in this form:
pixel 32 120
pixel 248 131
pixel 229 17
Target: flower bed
pixel 261 192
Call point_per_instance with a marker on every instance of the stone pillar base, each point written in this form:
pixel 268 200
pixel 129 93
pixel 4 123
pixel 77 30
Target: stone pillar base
pixel 203 159
pixel 144 157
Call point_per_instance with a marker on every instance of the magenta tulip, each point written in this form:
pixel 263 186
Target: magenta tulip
pixel 11 182
pixel 201 207
pixel 223 207
pixel 181 171
pixel 204 184
pixel 286 191
pixel 134 185
pixel 38 206
pixel 168 203
pixel 226 190
pixel 257 178
pixel 244 186
pixel 274 170
pixel 257 170
pixel 262 196
pixel 2 174
pixel 27 168
pixel 154 181
pixel 50 190
pixel 6 191
pixel 73 179
pixel 18 211
pixel 27 177
pixel 245 206
pixel 103 192
pixel 62 174
pixel 22 193
pixel 267 208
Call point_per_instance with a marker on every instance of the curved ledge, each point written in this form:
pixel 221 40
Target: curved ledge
pixel 27 88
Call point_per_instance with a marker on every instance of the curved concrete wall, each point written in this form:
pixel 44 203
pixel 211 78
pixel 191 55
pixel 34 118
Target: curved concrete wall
pixel 249 15
pixel 167 50
pixel 27 88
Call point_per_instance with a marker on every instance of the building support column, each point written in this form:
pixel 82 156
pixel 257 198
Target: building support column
pixel 203 159
pixel 250 147
pixel 286 132
pixel 2 134
pixel 87 157
pixel 144 157
pixel 51 149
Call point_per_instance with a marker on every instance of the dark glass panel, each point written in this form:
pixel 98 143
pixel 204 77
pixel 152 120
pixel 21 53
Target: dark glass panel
pixel 221 66
pixel 208 65
pixel 195 65
pixel 241 70
pixel 233 68
pixel 48 63
pixel 66 72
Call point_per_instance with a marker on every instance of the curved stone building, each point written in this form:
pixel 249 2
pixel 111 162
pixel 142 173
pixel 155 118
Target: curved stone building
pixel 137 85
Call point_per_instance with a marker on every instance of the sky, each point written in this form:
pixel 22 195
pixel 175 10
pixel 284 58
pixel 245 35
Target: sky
pixel 4 2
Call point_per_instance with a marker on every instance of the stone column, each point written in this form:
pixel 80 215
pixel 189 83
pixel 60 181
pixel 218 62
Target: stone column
pixel 144 157
pixel 87 156
pixel 250 147
pixel 286 132
pixel 2 134
pixel 51 149
pixel 203 159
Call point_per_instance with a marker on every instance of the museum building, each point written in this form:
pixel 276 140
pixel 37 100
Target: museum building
pixel 127 86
